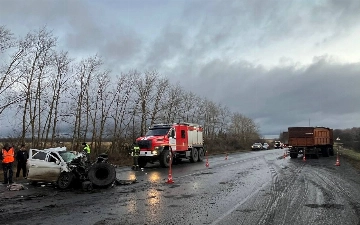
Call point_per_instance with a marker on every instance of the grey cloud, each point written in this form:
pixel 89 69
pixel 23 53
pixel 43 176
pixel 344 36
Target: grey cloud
pixel 195 49
pixel 283 96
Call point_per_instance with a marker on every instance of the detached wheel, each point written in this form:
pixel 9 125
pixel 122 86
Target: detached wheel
pixel 194 155
pixel 65 180
pixel 201 155
pixel 102 174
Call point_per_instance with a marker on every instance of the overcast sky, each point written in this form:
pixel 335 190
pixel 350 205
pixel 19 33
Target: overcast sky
pixel 283 63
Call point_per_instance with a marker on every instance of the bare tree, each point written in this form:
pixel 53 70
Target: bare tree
pixel 100 107
pixel 81 92
pixel 173 103
pixel 9 74
pixel 6 39
pixel 58 80
pixel 38 46
pixel 243 129
pixel 162 85
pixel 144 89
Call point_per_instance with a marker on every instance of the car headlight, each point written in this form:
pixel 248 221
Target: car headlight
pixel 155 152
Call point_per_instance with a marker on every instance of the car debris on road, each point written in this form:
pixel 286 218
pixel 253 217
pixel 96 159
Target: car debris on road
pixel 65 168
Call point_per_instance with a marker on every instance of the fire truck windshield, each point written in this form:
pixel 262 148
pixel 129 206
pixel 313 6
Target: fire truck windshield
pixel 157 132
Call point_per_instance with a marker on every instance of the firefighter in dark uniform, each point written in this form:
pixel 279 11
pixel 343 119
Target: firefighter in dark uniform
pixel 135 154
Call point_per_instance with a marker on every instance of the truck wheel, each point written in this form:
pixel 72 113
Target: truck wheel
pixel 325 152
pixel 142 162
pixel 331 151
pixel 201 155
pixel 102 174
pixel 164 158
pixel 293 155
pixel 194 156
pixel 65 180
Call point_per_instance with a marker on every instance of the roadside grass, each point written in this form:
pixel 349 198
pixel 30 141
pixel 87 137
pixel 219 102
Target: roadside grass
pixel 352 156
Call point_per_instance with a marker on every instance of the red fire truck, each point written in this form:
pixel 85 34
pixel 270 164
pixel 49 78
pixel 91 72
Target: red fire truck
pixel 181 140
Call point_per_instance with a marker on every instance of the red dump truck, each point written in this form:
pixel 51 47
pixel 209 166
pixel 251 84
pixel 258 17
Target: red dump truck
pixel 184 140
pixel 313 141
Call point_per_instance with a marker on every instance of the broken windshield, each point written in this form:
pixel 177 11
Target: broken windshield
pixel 67 156
pixel 157 132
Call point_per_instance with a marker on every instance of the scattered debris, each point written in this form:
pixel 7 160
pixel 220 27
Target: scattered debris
pixel 16 187
pixel 125 182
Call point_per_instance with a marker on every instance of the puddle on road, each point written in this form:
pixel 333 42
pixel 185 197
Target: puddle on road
pixel 326 206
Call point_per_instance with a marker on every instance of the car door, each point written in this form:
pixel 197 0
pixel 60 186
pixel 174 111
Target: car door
pixel 172 138
pixel 43 167
pixel 52 166
pixel 36 158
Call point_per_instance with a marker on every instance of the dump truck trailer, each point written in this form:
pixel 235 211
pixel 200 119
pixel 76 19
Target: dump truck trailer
pixel 312 141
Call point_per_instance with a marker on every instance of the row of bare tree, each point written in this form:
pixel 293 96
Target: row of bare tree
pixel 51 97
pixel 350 138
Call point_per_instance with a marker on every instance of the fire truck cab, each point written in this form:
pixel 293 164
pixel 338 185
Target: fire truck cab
pixel 179 140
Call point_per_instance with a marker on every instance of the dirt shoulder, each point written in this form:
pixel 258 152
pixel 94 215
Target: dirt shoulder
pixel 353 157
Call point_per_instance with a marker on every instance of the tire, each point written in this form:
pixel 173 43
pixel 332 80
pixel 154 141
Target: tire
pixel 194 156
pixel 200 154
pixel 316 154
pixel 142 162
pixel 65 180
pixel 102 174
pixel 331 151
pixel 164 158
pixel 293 155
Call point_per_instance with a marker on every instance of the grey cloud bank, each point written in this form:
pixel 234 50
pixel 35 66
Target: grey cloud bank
pixel 279 62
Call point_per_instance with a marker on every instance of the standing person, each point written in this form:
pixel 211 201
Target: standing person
pixel 87 150
pixel 21 157
pixel 7 157
pixel 135 154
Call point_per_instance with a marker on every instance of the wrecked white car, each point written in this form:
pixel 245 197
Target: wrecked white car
pixel 64 168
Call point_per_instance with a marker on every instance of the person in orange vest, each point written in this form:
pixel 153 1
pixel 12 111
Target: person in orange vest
pixel 8 158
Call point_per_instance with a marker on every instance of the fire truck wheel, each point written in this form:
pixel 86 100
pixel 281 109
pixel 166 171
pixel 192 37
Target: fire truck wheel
pixel 164 158
pixel 194 155
pixel 201 155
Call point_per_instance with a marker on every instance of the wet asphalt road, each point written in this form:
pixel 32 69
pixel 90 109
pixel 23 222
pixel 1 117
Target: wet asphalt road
pixel 248 188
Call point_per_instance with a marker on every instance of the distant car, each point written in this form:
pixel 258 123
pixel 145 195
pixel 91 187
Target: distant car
pixel 278 144
pixel 265 146
pixel 256 146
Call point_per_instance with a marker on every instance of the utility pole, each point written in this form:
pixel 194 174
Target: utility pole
pixel 309 122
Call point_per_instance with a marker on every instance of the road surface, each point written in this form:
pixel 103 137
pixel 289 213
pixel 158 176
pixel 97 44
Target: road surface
pixel 259 187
